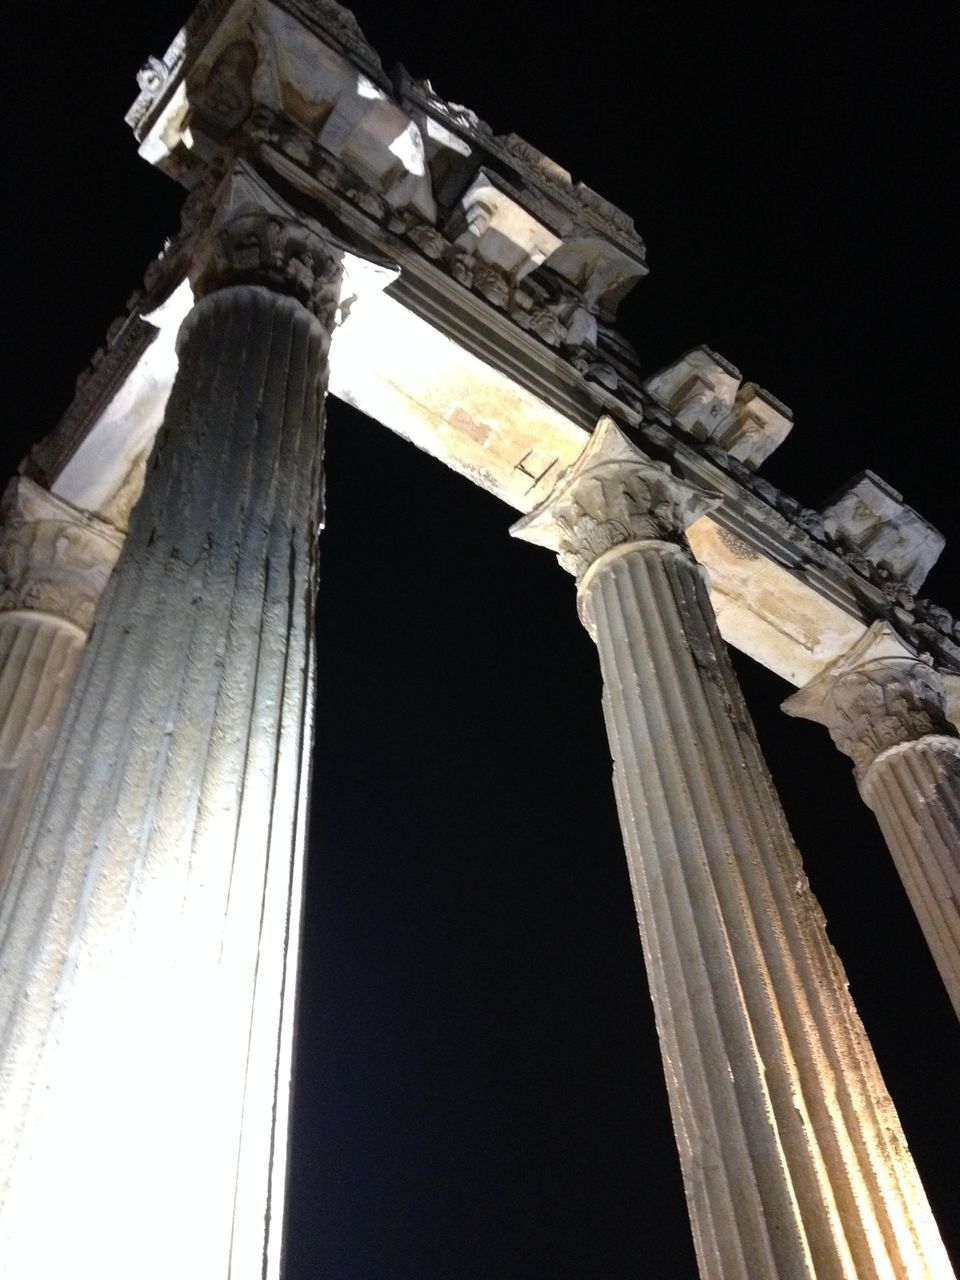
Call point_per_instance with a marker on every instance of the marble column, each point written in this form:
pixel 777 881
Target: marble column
pixel 793 1159
pixel 884 708
pixel 149 933
pixel 54 565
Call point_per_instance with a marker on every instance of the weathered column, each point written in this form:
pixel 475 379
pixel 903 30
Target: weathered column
pixel 54 565
pixel 149 934
pixel 792 1155
pixel 884 708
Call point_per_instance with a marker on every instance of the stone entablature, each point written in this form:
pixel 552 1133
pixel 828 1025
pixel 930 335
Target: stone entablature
pixel 299 80
pixel 704 395
pixel 498 294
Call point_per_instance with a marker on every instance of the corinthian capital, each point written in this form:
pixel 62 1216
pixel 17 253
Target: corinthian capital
pixel 246 234
pixel 876 696
pixel 54 559
pixel 613 495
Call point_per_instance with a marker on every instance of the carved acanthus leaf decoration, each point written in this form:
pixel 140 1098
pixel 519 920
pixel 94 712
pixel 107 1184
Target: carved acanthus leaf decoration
pixel 251 237
pixel 54 559
pixel 877 696
pixel 612 495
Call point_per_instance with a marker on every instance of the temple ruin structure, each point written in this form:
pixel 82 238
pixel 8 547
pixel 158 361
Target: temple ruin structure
pixel 348 230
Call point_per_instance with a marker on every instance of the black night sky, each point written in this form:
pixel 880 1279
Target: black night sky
pixel 479 1091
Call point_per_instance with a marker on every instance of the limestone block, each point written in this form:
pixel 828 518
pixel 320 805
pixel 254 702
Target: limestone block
pixel 757 424
pixel 871 517
pixel 381 144
pixel 297 74
pixel 492 227
pixel 699 390
pixel 599 270
pixel 352 118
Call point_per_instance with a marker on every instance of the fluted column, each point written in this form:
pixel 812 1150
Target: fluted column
pixel 149 936
pixel 884 708
pixel 54 565
pixel 793 1160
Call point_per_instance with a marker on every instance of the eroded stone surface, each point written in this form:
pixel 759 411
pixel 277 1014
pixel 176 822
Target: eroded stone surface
pixel 612 496
pixel 778 1105
pixel 876 696
pixel 54 559
pixel 871 518
pixel 704 395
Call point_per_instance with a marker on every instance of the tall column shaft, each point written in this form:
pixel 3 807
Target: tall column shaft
pixel 914 789
pixel 149 934
pixel 792 1155
pixel 794 1163
pixel 885 709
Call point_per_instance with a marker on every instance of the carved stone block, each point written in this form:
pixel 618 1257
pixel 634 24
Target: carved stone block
pixel 869 516
pixel 489 225
pixel 757 424
pixel 699 390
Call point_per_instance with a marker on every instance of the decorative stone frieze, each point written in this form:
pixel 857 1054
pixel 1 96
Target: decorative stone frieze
pixel 490 226
pixel 793 1160
pixel 403 157
pixel 869 517
pixel 112 365
pixel 757 424
pixel 612 497
pixel 275 76
pixel 888 711
pixel 54 559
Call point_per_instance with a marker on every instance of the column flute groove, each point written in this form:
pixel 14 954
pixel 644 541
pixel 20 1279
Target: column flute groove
pixel 148 981
pixel 54 563
pixel 792 1157
pixel 884 707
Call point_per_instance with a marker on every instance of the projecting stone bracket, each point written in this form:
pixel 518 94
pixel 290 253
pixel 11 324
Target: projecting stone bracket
pixel 704 394
pixel 869 518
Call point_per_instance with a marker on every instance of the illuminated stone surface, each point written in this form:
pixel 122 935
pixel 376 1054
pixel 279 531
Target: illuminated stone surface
pixel 150 927
pixel 54 565
pixel 479 285
pixel 793 1159
pixel 886 710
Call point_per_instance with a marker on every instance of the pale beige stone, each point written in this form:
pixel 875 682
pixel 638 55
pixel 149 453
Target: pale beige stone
pixel 886 709
pixel 699 391
pixel 54 564
pixel 871 517
pixel 793 1160
pixel 705 396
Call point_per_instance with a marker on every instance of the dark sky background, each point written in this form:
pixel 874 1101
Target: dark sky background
pixel 479 1091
